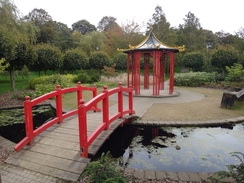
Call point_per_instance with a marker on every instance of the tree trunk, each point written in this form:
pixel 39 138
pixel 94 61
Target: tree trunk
pixel 12 79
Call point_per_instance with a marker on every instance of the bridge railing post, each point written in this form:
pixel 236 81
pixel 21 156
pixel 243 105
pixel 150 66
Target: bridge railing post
pixel 83 129
pixel 79 93
pixel 94 94
pixel 59 110
pixel 28 120
pixel 105 107
pixel 131 100
pixel 120 100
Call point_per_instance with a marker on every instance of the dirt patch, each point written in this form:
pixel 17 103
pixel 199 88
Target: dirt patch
pixel 205 109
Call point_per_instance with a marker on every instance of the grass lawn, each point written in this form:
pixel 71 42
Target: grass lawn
pixel 206 109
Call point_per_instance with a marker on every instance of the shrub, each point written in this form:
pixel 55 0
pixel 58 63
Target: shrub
pixel 194 60
pixel 235 73
pixel 74 59
pixel 42 89
pixel 99 59
pixel 83 77
pixel 103 170
pixel 53 80
pixel 193 78
pixel 88 76
pixel 32 95
pixel 223 57
pixel 121 61
pixel 94 75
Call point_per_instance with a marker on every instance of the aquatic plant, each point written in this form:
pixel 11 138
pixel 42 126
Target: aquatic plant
pixel 103 170
pixel 234 171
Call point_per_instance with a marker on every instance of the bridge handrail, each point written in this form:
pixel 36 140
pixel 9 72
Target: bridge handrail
pixel 28 104
pixel 85 140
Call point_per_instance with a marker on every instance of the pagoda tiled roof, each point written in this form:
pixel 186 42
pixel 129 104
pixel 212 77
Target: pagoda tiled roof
pixel 151 42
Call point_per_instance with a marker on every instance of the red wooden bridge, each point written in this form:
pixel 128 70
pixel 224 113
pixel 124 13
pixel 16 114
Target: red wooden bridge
pixel 61 146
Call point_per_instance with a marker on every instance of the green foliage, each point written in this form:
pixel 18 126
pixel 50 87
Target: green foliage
pixel 42 89
pixel 94 75
pixel 49 58
pixel 194 60
pixel 223 57
pixel 234 171
pixel 32 95
pixel 109 71
pixel 99 59
pixel 74 59
pixel 121 61
pixel 24 72
pixel 88 76
pixel 83 27
pixel 52 80
pixel 2 66
pixel 193 78
pixel 82 77
pixel 235 73
pixel 103 170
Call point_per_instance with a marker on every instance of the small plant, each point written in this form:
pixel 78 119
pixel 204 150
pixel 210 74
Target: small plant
pixel 235 73
pixel 234 171
pixel 103 170
pixel 193 79
pixel 109 71
pixel 32 95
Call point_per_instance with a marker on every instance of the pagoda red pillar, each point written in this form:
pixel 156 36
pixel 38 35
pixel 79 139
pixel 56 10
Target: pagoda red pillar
pixel 136 73
pixel 128 70
pixel 146 71
pixel 162 65
pixel 156 72
pixel 171 81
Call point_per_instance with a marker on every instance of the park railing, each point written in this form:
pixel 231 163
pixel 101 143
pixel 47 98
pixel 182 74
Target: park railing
pixel 60 116
pixel 85 140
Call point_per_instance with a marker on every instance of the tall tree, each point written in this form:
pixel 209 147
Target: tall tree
pixel 49 58
pixel 191 33
pixel 47 28
pixel 83 27
pixel 107 23
pixel 161 27
pixel 13 33
pixel 64 39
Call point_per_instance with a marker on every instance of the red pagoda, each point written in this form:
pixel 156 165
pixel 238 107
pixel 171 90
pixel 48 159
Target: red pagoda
pixel 150 48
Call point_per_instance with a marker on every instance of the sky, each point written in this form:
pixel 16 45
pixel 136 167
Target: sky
pixel 215 15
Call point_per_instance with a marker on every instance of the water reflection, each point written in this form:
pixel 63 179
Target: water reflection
pixel 176 149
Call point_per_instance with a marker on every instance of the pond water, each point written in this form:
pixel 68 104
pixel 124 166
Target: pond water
pixel 12 125
pixel 176 149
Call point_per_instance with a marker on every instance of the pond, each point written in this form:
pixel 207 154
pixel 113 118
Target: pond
pixel 12 125
pixel 176 149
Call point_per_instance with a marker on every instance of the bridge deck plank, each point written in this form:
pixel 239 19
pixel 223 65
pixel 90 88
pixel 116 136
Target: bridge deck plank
pixel 56 151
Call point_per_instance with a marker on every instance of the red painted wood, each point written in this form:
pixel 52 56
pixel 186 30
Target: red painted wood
pixel 171 82
pixel 82 110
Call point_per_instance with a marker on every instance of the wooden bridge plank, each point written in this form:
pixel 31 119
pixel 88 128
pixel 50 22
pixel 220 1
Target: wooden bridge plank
pixel 62 136
pixel 60 143
pixel 44 169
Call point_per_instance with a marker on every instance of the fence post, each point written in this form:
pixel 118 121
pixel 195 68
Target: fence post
pixel 59 110
pixel 79 93
pixel 28 120
pixel 131 100
pixel 105 108
pixel 120 100
pixel 94 94
pixel 83 129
